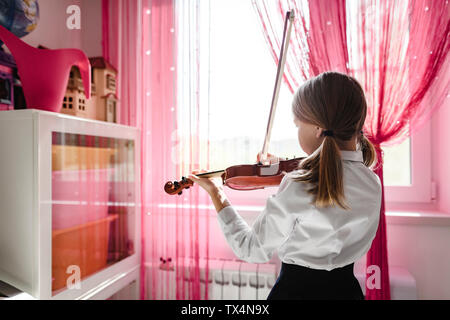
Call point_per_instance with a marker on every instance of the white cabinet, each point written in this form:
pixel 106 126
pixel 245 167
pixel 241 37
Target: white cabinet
pixel 69 205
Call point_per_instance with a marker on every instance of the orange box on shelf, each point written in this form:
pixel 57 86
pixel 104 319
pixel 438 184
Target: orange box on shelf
pixel 85 246
pixel 79 196
pixel 67 157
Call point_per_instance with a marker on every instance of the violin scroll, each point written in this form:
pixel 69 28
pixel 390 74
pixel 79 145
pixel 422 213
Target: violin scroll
pixel 177 187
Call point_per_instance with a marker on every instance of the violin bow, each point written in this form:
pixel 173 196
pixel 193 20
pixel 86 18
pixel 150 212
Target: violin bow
pixel 280 71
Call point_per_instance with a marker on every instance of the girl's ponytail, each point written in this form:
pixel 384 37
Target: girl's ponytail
pixel 368 150
pixel 323 170
pixel 330 187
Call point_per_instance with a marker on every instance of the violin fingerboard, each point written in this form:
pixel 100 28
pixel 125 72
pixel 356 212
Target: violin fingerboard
pixel 210 174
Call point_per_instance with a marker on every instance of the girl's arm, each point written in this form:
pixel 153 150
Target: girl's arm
pixel 219 199
pixel 272 227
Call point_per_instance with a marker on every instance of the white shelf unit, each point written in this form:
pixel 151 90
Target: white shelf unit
pixel 26 205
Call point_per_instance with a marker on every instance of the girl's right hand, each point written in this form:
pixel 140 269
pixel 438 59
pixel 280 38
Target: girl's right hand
pixel 270 158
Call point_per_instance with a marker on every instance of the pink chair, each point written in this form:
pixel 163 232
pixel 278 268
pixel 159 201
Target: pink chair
pixel 44 73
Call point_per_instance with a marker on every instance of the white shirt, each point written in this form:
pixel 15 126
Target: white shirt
pixel 319 238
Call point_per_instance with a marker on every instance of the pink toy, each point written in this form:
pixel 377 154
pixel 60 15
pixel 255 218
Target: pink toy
pixel 44 73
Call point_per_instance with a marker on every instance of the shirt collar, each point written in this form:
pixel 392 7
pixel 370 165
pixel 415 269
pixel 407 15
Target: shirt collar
pixel 352 155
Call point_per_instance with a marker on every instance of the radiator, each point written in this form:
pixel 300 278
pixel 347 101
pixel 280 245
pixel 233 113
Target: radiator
pixel 236 280
pixel 227 280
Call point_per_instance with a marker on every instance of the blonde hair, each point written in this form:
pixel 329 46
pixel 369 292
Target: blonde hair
pixel 336 102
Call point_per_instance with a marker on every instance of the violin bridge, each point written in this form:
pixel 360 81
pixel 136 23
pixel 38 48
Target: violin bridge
pixel 269 170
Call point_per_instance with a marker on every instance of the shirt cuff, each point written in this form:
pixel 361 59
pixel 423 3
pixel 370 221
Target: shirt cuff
pixel 227 214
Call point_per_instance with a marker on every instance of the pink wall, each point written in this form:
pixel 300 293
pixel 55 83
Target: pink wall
pixel 52 32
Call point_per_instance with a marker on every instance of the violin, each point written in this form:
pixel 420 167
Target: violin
pixel 259 175
pixel 241 177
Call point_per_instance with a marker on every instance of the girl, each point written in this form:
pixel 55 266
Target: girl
pixel 325 213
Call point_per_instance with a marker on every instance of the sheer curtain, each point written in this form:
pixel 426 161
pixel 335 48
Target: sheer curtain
pixel 397 50
pixel 190 149
pixel 159 93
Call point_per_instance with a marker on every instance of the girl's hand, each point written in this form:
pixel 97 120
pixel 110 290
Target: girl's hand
pixel 211 185
pixel 270 158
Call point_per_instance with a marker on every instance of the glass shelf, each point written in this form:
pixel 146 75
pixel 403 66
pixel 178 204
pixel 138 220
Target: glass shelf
pixel 92 205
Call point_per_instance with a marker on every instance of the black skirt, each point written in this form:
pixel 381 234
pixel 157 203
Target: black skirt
pixel 301 283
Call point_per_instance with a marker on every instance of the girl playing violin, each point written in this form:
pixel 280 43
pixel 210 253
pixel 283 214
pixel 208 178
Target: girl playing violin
pixel 325 213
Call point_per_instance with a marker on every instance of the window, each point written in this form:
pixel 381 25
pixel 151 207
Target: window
pixel 397 164
pixel 110 82
pixel 407 170
pixel 241 80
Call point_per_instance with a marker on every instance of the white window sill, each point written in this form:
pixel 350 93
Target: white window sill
pixel 434 218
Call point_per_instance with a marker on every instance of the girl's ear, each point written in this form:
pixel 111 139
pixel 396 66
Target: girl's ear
pixel 319 132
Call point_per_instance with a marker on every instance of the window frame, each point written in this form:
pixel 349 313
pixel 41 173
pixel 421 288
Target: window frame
pixel 419 191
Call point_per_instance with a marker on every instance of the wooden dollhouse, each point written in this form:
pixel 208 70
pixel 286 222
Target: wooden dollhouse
pixel 104 76
pixel 75 102
pixel 110 100
pixel 103 103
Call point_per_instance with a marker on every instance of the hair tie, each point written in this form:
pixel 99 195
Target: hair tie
pixel 328 133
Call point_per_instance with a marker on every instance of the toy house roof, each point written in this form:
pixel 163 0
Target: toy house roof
pixel 101 63
pixel 109 95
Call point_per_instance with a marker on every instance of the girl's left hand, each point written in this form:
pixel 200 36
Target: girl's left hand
pixel 211 185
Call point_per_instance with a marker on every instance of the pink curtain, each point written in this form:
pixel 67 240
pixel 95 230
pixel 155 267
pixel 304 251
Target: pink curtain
pixel 105 29
pixel 398 51
pixel 140 38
